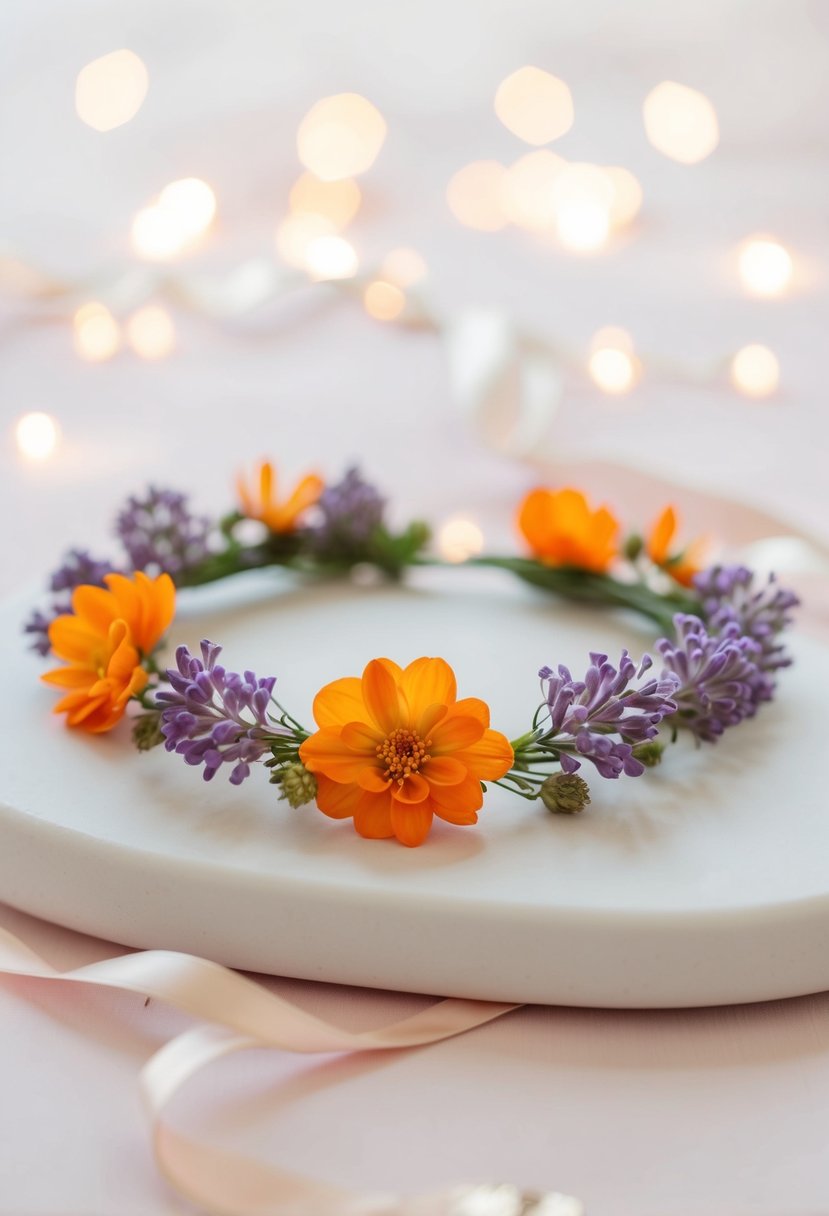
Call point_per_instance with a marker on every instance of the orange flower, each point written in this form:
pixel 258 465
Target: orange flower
pixel 396 747
pixel 103 641
pixel 262 503
pixel 684 565
pixel 562 530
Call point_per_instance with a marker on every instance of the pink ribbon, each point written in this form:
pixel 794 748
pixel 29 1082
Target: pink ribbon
pixel 237 1014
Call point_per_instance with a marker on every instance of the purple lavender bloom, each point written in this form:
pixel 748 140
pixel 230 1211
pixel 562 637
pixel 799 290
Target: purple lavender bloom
pixel 720 683
pixel 38 626
pixel 349 512
pixel 212 716
pixel 80 569
pixel 601 718
pixel 728 594
pixel 160 533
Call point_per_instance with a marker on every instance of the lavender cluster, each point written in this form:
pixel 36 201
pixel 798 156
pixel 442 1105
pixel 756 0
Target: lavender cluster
pixel 729 594
pixel 161 534
pixel 602 718
pixel 349 512
pixel 212 717
pixel 77 569
pixel 719 681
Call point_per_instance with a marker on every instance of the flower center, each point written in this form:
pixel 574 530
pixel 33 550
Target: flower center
pixel 401 754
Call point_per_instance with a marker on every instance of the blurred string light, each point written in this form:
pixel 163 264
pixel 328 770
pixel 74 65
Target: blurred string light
pixel 337 201
pixel 383 300
pixel 582 196
pixel 755 371
pixel 765 266
pixel 475 195
pixel 680 122
pixel 534 105
pixel 330 257
pixel 175 221
pixel 150 332
pixel 110 91
pixel 527 191
pixel 612 364
pixel 97 335
pixel 340 136
pixel 459 539
pixel 37 435
pixel 404 266
pixel 296 234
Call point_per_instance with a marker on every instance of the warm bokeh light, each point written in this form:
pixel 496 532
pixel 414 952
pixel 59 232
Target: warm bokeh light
pixel 110 91
pixel 475 195
pixel 528 199
pixel 340 136
pixel 330 257
pixel 459 539
pixel 765 266
pixel 404 266
pixel 37 436
pixel 534 105
pixel 338 201
pixel 155 234
pixel 150 332
pixel 296 233
pixel 383 301
pixel 582 196
pixel 755 371
pixel 191 203
pixel 681 122
pixel 626 200
pixel 612 364
pixel 97 335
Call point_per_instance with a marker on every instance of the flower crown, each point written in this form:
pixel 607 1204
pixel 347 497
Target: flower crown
pixel 396 746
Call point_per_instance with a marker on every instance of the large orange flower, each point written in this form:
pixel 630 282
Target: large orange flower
pixel 396 747
pixel 103 642
pixel 261 501
pixel 684 565
pixel 562 530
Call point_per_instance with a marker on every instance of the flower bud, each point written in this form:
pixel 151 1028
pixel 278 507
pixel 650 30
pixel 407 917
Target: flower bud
pixel 298 785
pixel 146 730
pixel 649 752
pixel 565 793
pixel 633 547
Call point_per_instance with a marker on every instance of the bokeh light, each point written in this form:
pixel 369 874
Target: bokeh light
pixel 528 199
pixel 37 435
pixel 534 105
pixel 681 122
pixel 295 235
pixel 404 266
pixel 384 301
pixel 151 332
pixel 582 196
pixel 97 335
pixel 340 136
pixel 755 371
pixel 626 199
pixel 765 266
pixel 338 201
pixel 459 539
pixel 475 195
pixel 330 257
pixel 110 91
pixel 174 222
pixel 612 365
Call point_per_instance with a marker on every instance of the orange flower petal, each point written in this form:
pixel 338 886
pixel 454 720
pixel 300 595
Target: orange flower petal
pixel 335 800
pixel 372 779
pixel 428 719
pixel 69 677
pixel 471 707
pixel 341 702
pixel 445 770
pixel 414 789
pixel 326 752
pixel 73 639
pixel 304 496
pixel 489 758
pixel 411 824
pixel 456 803
pixel 455 732
pixel 96 606
pixel 661 535
pixel 382 698
pixel 372 818
pixel 428 682
pixel 361 737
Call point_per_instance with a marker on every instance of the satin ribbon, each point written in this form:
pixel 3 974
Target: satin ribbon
pixel 238 1014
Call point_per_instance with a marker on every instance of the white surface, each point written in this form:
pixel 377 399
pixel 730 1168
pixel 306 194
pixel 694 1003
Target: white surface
pixel 703 882
pixel 685 1113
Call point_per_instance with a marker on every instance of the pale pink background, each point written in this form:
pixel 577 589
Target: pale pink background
pixel 717 1112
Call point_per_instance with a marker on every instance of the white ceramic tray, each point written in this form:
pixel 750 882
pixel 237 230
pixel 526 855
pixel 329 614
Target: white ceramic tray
pixel 703 882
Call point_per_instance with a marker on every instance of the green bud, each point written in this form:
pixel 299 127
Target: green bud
pixel 298 785
pixel 633 547
pixel 649 752
pixel 565 793
pixel 146 730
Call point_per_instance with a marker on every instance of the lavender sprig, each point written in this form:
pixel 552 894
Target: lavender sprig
pixel 212 717
pixel 349 513
pixel 161 534
pixel 729 594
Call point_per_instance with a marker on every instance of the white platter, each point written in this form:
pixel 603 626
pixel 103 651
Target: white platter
pixel 704 882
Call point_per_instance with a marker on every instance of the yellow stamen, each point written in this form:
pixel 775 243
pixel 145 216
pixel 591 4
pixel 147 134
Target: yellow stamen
pixel 402 753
